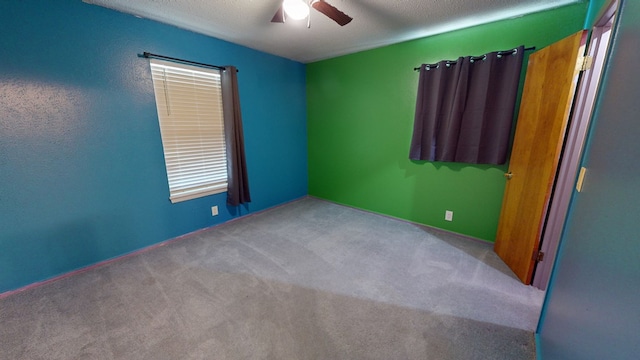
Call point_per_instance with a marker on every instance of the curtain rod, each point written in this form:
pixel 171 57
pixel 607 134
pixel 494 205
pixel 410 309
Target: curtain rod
pixel 504 52
pixel 150 55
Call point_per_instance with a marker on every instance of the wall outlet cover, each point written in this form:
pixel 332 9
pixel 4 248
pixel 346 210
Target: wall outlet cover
pixel 448 215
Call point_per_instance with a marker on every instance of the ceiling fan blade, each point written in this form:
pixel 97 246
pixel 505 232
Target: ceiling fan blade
pixel 330 11
pixel 279 16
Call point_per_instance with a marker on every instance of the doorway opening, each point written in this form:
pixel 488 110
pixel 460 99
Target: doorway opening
pixel 558 98
pixel 574 144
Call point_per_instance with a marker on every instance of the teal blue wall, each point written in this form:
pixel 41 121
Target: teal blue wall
pixel 592 309
pixel 595 8
pixel 82 176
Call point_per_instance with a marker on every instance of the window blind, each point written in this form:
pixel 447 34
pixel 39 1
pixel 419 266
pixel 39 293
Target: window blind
pixel 189 104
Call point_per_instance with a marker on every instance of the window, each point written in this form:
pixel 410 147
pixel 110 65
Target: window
pixel 189 103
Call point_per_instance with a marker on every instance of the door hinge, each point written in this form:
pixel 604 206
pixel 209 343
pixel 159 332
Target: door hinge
pixel 539 257
pixel 587 62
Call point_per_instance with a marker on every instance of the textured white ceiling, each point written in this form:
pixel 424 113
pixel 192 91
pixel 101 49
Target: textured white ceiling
pixel 375 22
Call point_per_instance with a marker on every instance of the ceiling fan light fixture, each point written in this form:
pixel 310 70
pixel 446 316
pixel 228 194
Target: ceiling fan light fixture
pixel 296 9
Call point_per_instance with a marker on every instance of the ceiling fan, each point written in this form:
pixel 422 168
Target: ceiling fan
pixel 298 10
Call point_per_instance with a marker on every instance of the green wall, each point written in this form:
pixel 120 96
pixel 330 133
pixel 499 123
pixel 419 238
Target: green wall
pixel 360 119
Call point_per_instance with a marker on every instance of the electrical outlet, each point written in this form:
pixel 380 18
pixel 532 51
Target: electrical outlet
pixel 448 215
pixel 214 211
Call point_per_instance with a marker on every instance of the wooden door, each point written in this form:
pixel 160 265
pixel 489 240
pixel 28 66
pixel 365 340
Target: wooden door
pixel 549 88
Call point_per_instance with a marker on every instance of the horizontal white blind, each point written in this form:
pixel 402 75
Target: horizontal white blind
pixel 189 102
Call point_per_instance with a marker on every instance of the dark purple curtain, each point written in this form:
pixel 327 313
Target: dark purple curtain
pixel 237 178
pixel 464 109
